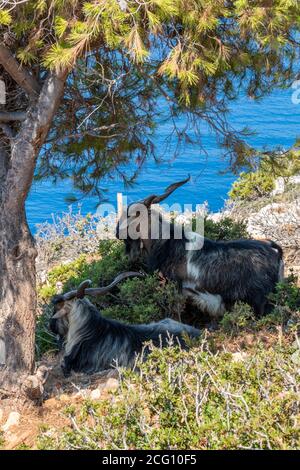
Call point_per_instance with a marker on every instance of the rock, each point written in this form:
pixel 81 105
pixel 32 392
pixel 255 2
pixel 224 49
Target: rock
pixel 279 186
pixel 59 287
pixel 294 179
pixel 12 420
pixel 239 356
pixel 1 415
pixel 15 440
pixel 111 384
pixel 33 386
pixel 95 394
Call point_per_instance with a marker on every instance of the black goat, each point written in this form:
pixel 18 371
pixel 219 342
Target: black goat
pixel 214 274
pixel 93 343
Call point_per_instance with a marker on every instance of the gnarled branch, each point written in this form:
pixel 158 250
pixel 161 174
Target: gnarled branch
pixel 18 73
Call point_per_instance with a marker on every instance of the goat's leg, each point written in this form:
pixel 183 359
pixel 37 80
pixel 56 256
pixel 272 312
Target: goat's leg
pixel 212 304
pixel 262 307
pixel 66 366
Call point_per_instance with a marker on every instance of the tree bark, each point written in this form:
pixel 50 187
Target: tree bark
pixel 17 250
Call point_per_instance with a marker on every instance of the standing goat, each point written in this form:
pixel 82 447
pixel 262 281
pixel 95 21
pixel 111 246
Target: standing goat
pixel 94 343
pixel 214 274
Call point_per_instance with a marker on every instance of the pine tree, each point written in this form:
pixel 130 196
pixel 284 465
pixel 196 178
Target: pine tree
pixel 82 80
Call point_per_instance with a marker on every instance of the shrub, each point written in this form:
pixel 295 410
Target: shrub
pixel 240 317
pixel 193 400
pixel 225 229
pixel 44 339
pixel 287 294
pixel 250 186
pixel 144 300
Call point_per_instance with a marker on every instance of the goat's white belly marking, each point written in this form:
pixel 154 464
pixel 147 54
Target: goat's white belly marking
pixel 193 271
pixel 212 304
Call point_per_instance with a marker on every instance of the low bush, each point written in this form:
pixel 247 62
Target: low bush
pixel 250 186
pixel 193 400
pixel 225 229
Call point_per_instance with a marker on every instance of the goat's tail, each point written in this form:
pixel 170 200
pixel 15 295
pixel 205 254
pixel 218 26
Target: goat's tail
pixel 279 250
pixel 276 247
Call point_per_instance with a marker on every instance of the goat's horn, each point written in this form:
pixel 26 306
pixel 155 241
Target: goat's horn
pixel 82 287
pixel 79 292
pixel 117 280
pixel 83 290
pixel 170 189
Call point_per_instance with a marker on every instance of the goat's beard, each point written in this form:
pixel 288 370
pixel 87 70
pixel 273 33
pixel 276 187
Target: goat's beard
pixel 59 327
pixel 133 250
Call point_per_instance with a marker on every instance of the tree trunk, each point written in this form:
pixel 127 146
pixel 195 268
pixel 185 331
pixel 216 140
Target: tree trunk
pixel 17 291
pixel 17 251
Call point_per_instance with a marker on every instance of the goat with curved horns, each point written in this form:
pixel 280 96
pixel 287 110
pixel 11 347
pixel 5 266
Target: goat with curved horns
pixel 214 276
pixel 94 343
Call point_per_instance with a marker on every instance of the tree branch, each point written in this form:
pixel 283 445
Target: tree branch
pixel 19 74
pixel 89 132
pixel 29 139
pixel 12 116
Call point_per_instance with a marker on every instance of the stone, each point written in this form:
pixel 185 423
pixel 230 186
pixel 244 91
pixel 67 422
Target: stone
pixel 294 179
pixel 239 356
pixel 12 420
pixel 111 384
pixel 279 186
pixel 95 394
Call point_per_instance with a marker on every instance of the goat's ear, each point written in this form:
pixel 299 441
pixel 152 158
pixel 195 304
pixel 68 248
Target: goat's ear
pixel 59 314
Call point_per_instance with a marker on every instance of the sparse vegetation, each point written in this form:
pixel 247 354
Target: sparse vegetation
pixel 193 400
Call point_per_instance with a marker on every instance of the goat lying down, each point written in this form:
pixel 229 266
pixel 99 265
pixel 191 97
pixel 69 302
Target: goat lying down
pixel 215 276
pixel 94 343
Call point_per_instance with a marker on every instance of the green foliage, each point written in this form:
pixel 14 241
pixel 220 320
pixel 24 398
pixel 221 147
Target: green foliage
pixel 287 294
pixel 193 400
pixel 5 17
pixel 286 302
pixel 123 56
pixel 256 184
pixel 146 300
pixel 283 164
pixel 45 340
pixel 62 274
pixel 250 186
pixel 238 318
pixel 225 229
pixel 285 312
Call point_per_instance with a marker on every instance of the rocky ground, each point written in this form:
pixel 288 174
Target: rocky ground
pixel 22 420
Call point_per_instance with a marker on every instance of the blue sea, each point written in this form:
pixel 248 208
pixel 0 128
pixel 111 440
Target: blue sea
pixel 275 121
